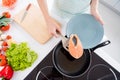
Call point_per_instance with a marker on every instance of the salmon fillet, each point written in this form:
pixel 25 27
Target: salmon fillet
pixel 75 48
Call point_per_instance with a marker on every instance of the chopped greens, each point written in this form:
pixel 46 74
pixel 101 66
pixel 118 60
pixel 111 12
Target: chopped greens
pixel 4 21
pixel 20 56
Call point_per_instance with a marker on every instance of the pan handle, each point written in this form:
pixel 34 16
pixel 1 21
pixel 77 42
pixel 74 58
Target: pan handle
pixel 101 45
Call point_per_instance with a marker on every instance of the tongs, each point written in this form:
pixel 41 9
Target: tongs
pixel 72 45
pixel 65 41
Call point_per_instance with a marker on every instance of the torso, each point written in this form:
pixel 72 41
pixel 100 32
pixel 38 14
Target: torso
pixel 68 8
pixel 72 6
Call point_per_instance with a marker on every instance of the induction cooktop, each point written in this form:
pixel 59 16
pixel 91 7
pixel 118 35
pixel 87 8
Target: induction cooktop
pixel 99 70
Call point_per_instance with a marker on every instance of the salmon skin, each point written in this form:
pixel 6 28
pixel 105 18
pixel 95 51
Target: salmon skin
pixel 75 47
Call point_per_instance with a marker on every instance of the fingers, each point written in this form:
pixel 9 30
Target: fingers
pixel 98 17
pixel 54 27
pixel 55 34
pixel 100 20
pixel 56 31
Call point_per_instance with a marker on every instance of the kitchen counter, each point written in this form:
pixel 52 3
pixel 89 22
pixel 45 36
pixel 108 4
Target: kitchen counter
pixel 20 35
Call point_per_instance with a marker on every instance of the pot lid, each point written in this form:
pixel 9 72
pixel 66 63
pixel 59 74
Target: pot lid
pixel 88 29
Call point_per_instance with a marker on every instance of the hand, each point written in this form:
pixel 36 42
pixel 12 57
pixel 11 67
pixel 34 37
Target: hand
pixel 96 14
pixel 53 26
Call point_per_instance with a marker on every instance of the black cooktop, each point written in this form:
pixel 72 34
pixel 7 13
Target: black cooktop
pixel 99 70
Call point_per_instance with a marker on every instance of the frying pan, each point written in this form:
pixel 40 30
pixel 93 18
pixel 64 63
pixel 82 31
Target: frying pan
pixel 88 29
pixel 69 66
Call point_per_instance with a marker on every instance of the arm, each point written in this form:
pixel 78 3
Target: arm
pixel 52 24
pixel 44 9
pixel 94 10
pixel 94 5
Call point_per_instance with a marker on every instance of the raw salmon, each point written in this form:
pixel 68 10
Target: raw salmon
pixel 75 48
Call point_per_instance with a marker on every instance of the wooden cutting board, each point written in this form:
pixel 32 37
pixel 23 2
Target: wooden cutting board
pixel 34 23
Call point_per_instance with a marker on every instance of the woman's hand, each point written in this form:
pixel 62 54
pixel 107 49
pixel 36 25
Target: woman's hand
pixel 96 14
pixel 53 26
pixel 94 10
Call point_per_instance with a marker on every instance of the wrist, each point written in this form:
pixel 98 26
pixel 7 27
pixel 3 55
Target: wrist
pixel 93 10
pixel 46 16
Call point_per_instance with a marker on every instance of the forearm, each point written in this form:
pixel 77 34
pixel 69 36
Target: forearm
pixel 94 5
pixel 94 10
pixel 44 8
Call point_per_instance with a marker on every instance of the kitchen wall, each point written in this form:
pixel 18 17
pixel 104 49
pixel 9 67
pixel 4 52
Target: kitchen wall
pixel 111 18
pixel 112 4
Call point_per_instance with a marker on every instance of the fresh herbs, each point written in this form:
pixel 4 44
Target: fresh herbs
pixel 4 21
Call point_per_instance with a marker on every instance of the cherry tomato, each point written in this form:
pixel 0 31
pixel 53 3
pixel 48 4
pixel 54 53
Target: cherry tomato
pixel 4 43
pixel 8 37
pixel 2 60
pixel 5 28
pixel 4 48
pixel 6 14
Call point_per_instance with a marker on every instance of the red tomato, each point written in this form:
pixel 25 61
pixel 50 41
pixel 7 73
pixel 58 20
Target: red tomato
pixel 4 48
pixel 5 28
pixel 8 3
pixel 8 37
pixel 2 60
pixel 4 43
pixel 6 14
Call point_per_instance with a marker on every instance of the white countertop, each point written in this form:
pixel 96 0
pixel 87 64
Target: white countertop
pixel 20 35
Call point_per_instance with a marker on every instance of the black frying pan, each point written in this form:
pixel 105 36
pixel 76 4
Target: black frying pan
pixel 69 66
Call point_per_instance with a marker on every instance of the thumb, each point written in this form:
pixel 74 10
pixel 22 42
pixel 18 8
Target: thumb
pixel 57 32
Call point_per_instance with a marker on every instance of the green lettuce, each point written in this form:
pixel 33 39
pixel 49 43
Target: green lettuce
pixel 20 56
